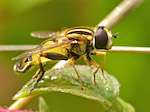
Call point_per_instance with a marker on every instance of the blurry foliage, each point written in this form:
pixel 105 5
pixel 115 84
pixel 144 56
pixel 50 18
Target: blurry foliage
pixel 43 107
pixel 19 18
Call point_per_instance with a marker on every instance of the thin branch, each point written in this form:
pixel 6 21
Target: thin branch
pixel 129 49
pixel 22 102
pixel 16 47
pixel 112 19
pixel 113 49
pixel 118 13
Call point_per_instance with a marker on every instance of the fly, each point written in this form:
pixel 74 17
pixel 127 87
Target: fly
pixel 71 43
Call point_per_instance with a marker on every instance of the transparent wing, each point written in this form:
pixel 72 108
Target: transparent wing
pixel 28 53
pixel 40 48
pixel 43 34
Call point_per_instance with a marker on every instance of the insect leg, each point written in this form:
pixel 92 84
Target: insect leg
pixel 102 66
pixel 95 64
pixel 53 56
pixel 73 61
pixel 38 72
pixel 40 76
pixel 85 60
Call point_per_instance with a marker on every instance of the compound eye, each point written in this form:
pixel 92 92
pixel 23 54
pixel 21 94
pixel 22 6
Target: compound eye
pixel 101 39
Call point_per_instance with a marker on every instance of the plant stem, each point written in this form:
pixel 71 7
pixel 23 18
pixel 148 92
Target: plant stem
pixel 16 47
pixel 113 49
pixel 22 102
pixel 128 49
pixel 118 13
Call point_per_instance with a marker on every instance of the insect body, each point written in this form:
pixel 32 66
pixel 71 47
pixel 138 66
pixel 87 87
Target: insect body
pixel 67 44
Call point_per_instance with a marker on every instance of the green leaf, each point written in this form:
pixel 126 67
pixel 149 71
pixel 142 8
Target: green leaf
pixel 43 107
pixel 65 80
pixel 122 106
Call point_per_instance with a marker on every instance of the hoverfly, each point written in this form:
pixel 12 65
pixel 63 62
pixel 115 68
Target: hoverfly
pixel 67 44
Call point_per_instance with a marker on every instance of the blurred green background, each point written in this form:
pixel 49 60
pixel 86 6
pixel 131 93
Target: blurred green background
pixel 20 17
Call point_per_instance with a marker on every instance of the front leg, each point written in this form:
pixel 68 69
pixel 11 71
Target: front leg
pixel 103 63
pixel 95 64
